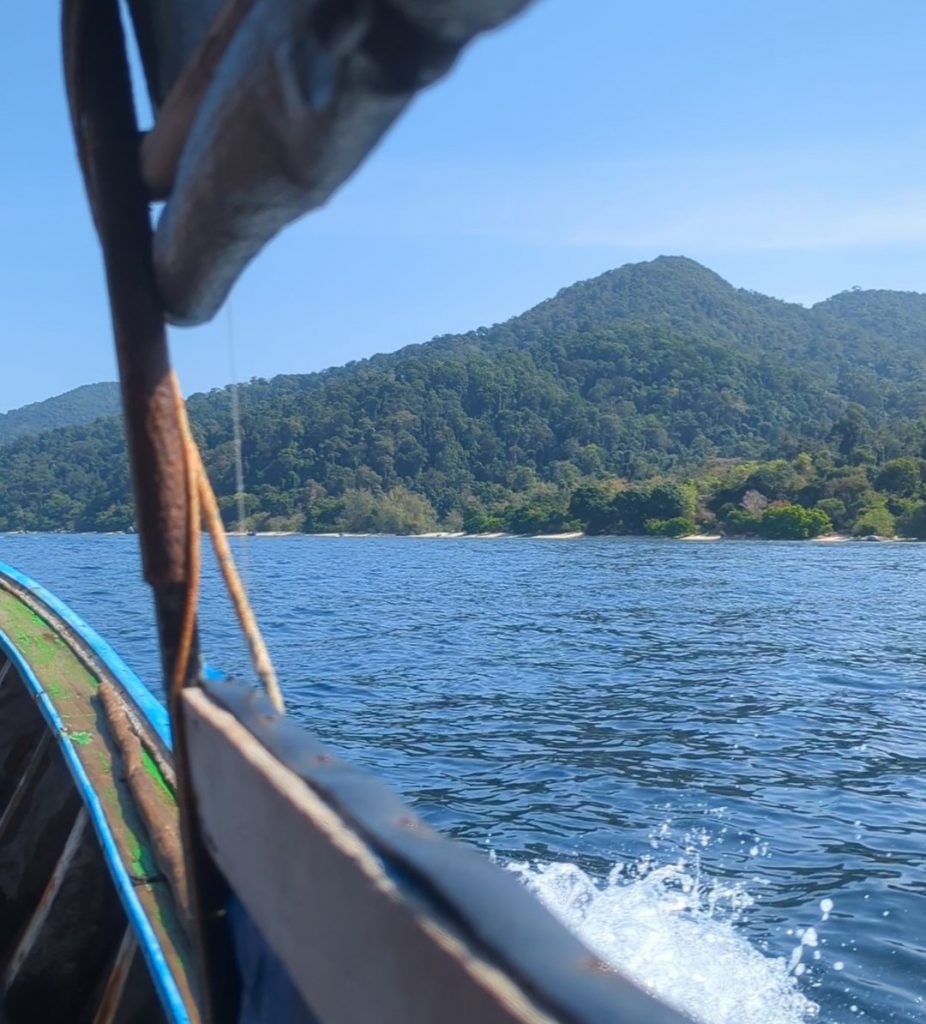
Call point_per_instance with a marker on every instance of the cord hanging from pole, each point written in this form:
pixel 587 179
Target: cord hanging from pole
pixel 204 509
pixel 237 440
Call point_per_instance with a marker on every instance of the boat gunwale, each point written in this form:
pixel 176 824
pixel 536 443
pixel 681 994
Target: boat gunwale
pixel 161 974
pixel 493 915
pixel 151 709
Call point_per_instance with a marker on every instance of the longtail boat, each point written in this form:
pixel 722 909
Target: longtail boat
pixel 213 861
pixel 91 871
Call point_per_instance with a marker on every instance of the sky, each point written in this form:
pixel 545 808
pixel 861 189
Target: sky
pixel 781 143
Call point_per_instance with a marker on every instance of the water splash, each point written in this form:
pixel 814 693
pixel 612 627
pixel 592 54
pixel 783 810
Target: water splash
pixel 673 931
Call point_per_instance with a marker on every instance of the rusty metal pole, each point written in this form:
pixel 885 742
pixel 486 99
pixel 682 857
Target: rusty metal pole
pixel 106 131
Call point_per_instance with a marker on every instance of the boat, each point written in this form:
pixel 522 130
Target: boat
pixel 214 861
pixel 91 912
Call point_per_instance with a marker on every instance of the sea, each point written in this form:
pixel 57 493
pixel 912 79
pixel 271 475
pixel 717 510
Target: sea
pixel 708 759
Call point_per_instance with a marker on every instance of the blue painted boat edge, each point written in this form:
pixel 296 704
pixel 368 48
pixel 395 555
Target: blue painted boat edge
pixel 152 709
pixel 151 948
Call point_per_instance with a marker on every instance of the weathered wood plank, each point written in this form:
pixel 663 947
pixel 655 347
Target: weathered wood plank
pixel 76 842
pixel 156 806
pixel 111 998
pixel 31 841
pixel 105 125
pixel 21 727
pixel 26 782
pixel 481 902
pixel 69 938
pixel 355 946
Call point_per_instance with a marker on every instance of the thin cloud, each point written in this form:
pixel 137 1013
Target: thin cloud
pixel 718 201
pixel 765 222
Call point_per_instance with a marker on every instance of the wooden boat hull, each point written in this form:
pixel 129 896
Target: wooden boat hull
pixel 366 912
pixel 89 926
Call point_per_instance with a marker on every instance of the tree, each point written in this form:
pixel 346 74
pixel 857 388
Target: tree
pixel 913 522
pixel 631 510
pixel 835 510
pixel 738 522
pixel 477 520
pixel 902 477
pixel 853 490
pixel 661 501
pixel 592 505
pixel 542 512
pixel 851 432
pixel 754 502
pixel 875 522
pixel 803 465
pixel 670 501
pixel 793 522
pixel 774 480
pixel 679 526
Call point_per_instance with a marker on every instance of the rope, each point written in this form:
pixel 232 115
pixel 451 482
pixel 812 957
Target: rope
pixel 193 542
pixel 204 509
pixel 259 654
pixel 236 434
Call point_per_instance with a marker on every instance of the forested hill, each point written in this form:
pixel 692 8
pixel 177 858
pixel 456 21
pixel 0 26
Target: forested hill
pixel 73 408
pixel 653 369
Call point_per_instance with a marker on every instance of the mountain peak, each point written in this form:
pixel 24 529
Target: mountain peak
pixel 901 315
pixel 658 272
pixel 75 407
pixel 667 290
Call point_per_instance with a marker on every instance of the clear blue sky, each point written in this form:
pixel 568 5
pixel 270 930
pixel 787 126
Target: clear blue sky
pixel 781 143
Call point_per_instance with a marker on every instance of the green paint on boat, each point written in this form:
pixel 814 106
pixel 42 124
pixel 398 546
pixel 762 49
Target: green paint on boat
pixel 151 767
pixel 42 647
pixel 143 863
pixel 71 685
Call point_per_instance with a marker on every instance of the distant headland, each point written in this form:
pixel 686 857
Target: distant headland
pixel 655 399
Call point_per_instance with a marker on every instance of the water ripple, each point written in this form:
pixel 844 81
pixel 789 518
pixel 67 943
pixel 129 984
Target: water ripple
pixel 738 715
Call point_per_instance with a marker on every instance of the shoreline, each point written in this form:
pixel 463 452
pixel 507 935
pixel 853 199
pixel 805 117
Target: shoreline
pixel 698 538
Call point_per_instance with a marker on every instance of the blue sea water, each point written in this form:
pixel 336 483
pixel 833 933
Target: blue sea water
pixel 708 759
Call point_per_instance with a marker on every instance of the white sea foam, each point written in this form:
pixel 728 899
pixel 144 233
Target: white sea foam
pixel 674 932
